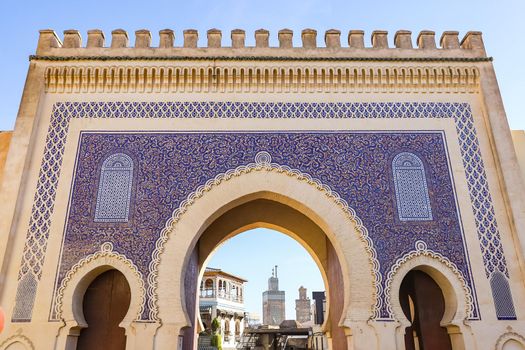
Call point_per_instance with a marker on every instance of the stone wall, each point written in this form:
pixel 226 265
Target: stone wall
pixel 5 140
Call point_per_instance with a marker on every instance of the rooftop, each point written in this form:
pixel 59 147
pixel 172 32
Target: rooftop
pixel 210 271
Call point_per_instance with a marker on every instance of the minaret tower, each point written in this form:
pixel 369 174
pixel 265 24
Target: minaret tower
pixel 273 301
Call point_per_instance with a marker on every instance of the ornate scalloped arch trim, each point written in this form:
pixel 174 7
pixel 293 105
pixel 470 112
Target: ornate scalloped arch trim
pixel 263 162
pixel 104 257
pixel 421 249
pixel 509 335
pixel 17 338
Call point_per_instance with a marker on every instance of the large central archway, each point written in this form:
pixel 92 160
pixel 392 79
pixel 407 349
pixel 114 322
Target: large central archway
pixel 294 205
pixel 283 218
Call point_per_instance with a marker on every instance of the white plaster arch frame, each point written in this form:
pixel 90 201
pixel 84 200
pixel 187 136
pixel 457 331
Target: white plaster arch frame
pixel 70 295
pixel 510 335
pixel 264 179
pixel 17 338
pixel 456 292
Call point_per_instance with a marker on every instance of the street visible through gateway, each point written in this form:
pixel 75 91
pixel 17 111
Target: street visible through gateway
pixel 260 308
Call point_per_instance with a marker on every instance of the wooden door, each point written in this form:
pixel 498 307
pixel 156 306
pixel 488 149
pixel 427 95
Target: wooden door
pixel 106 302
pixel 423 304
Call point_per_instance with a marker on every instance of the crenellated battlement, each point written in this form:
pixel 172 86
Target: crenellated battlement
pixel 425 46
pixel 335 67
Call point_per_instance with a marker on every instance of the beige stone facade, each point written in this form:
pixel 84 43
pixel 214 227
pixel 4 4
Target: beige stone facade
pixel 145 159
pixel 518 137
pixel 5 139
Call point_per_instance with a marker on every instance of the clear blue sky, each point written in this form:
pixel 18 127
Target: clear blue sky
pixel 253 254
pixel 501 21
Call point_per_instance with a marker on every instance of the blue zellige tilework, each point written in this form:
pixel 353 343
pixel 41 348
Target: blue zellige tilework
pixel 493 256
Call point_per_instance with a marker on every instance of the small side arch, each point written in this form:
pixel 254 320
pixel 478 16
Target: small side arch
pixel 456 293
pixel 68 304
pixel 510 341
pixel 17 342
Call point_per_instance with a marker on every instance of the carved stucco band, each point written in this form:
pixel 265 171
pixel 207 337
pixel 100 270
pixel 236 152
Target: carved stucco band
pixel 263 162
pixel 271 78
pixel 43 205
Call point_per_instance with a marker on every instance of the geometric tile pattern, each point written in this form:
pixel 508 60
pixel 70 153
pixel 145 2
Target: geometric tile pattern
pixel 502 297
pixel 114 189
pixel 44 199
pixel 413 202
pixel 25 299
pixel 172 167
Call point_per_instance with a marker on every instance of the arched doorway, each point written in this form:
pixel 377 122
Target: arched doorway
pixel 423 304
pixel 280 217
pixel 105 303
pixel 343 238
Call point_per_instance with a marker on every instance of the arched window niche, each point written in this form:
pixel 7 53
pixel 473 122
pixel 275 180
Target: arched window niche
pixel 114 189
pixel 411 190
pixel 502 297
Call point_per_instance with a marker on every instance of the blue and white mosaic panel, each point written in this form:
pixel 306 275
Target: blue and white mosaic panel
pixel 114 189
pixel 43 206
pixel 413 202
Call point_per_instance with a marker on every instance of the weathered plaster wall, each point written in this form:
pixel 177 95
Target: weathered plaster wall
pixel 5 140
pixel 518 137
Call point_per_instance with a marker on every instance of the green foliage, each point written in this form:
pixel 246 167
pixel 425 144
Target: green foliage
pixel 215 324
pixel 216 340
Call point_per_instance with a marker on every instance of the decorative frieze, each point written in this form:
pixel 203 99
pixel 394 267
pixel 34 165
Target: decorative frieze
pixel 281 77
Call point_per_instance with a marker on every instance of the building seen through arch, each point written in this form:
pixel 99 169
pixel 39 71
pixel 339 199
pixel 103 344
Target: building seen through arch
pixel 391 164
pixel 274 302
pixel 303 307
pixel 222 297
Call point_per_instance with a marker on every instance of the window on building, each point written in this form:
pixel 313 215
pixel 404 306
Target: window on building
pixel 410 184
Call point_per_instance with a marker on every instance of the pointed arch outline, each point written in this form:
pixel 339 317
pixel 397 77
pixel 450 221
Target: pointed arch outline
pixel 459 301
pixel 17 338
pixel 411 188
pixel 94 264
pixel 263 162
pixel 510 334
pixel 114 188
pixel 465 303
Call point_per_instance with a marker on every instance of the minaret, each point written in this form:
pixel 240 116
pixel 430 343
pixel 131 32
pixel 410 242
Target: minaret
pixel 303 312
pixel 273 301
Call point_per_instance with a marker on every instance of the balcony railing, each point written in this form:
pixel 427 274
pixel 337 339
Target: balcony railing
pixel 221 294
